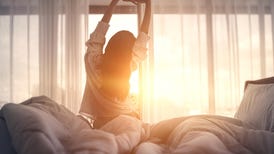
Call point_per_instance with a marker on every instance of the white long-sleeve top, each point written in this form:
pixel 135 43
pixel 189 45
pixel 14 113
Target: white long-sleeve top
pixel 95 103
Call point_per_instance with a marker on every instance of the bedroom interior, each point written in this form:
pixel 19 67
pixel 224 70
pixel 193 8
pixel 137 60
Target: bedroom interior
pixel 208 77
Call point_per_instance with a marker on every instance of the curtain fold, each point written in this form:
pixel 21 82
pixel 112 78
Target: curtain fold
pixel 18 25
pixel 62 50
pixel 42 49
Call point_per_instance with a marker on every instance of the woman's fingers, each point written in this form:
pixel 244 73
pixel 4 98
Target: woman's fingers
pixel 136 1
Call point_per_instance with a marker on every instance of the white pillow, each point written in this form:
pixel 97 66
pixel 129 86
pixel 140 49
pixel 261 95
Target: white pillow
pixel 257 106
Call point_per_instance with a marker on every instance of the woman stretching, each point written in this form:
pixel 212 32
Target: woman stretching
pixel 108 72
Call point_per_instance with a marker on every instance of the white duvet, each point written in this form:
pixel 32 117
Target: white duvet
pixel 39 125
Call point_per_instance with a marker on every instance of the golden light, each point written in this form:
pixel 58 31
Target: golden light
pixel 134 83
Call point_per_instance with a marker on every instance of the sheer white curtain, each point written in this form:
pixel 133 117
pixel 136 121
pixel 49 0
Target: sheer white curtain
pixel 202 52
pixel 42 45
pixel 200 55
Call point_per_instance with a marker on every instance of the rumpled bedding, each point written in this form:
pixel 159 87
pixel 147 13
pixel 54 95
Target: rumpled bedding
pixel 39 125
pixel 209 135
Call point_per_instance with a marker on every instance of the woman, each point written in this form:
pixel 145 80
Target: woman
pixel 108 72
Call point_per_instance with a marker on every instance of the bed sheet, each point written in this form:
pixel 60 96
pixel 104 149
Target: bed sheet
pixel 40 125
pixel 208 134
pixel 5 140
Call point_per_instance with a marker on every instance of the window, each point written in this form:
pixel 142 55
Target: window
pixel 180 64
pixel 203 52
pixel 19 70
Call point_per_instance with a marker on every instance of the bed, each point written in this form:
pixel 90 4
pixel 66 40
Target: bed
pixel 40 125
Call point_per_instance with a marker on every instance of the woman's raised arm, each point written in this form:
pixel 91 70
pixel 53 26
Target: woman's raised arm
pixel 108 14
pixel 146 19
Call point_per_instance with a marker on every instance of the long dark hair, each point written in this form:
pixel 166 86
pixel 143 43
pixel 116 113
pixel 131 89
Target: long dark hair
pixel 116 65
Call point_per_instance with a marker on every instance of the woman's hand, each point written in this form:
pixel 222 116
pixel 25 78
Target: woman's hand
pixel 107 15
pixel 146 19
pixel 136 1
